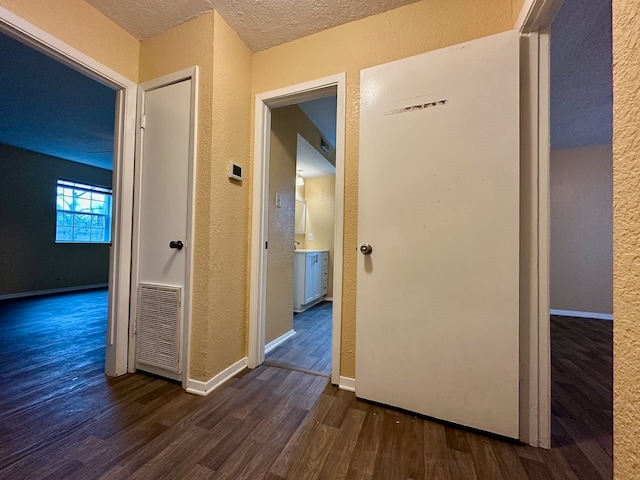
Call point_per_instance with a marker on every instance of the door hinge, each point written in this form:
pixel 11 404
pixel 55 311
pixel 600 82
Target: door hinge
pixel 143 121
pixel 266 245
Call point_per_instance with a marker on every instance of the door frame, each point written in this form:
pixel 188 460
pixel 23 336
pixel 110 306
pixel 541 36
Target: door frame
pixel 192 74
pixel 123 167
pixel 533 23
pixel 264 102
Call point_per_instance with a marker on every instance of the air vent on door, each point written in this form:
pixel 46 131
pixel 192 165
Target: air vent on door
pixel 158 328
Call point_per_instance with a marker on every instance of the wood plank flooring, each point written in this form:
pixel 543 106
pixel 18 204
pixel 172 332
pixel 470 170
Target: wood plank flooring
pixel 61 418
pixel 310 349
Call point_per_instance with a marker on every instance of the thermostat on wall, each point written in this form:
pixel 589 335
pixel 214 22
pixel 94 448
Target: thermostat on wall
pixel 235 171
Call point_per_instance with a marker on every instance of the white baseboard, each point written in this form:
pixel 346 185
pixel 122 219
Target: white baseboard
pixel 205 388
pixel 571 313
pixel 348 384
pixel 10 296
pixel 278 341
pixel 328 299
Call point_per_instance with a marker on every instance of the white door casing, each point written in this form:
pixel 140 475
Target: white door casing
pixel 437 327
pixel 117 348
pixel 164 213
pixel 264 102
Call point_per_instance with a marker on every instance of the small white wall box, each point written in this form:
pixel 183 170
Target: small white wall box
pixel 235 171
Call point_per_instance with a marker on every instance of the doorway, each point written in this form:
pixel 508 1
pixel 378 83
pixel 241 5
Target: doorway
pixel 266 105
pixel 581 231
pixel 301 256
pixel 119 257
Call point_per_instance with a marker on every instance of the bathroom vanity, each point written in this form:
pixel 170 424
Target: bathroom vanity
pixel 310 269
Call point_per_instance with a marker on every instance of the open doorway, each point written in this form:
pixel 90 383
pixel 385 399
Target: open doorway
pixel 302 236
pixel 581 232
pixel 120 138
pixel 56 157
pixel 266 104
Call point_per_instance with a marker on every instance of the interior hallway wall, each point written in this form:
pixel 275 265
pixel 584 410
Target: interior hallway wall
pixel 626 235
pixel 222 208
pixel 410 30
pixel 80 25
pixel 286 124
pixel 581 264
pixel 30 259
pixel 321 213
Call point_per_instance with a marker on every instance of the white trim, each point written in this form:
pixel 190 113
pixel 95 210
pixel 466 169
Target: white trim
pixel 589 315
pixel 259 226
pixel 533 23
pixel 124 147
pixel 338 246
pixel 348 384
pixel 205 388
pixel 191 73
pixel 327 299
pixel 536 15
pixel 535 354
pixel 544 238
pixel 10 296
pixel 279 341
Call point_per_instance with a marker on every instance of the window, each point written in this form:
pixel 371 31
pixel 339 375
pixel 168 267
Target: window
pixel 83 213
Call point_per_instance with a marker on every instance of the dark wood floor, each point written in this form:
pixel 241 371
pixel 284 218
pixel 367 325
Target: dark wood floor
pixel 310 348
pixel 60 418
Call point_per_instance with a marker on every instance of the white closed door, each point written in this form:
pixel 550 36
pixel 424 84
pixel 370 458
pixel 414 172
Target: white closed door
pixel 163 228
pixel 437 296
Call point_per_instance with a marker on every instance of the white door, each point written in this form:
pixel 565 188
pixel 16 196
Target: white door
pixel 437 297
pixel 164 207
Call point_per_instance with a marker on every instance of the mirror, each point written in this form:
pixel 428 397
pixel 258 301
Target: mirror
pixel 301 216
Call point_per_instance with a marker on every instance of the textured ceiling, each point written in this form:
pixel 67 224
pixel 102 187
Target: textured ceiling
pixel 49 108
pixel 260 23
pixel 581 75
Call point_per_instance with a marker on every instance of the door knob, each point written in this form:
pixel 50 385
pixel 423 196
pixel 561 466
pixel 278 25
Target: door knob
pixel 177 244
pixel 366 249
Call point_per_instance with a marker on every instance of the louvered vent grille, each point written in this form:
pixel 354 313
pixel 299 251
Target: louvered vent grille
pixel 158 328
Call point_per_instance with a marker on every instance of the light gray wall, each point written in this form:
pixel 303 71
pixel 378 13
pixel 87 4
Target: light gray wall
pixel 582 229
pixel 30 260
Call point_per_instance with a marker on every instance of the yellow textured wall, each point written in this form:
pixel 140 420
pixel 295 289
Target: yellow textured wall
pixel 321 212
pixel 286 124
pixel 184 46
pixel 399 33
pixel 219 314
pixel 78 24
pixel 282 180
pixel 626 238
pixel 229 210
pixel 516 6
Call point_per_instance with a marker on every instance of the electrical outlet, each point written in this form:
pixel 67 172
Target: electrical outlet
pixel 311 237
pixel 278 202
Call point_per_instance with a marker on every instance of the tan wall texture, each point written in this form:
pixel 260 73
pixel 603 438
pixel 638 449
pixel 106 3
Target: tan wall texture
pixel 320 194
pixel 229 212
pixel 626 238
pixel 219 314
pixel 78 24
pixel 399 33
pixel 581 263
pixel 286 124
pixel 282 181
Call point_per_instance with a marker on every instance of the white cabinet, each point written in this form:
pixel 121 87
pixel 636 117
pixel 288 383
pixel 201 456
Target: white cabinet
pixel 309 278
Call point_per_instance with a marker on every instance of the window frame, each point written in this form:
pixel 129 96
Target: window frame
pixel 76 186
